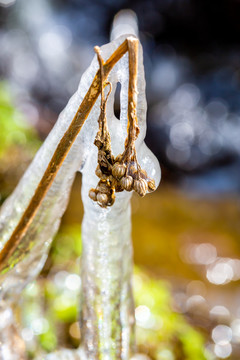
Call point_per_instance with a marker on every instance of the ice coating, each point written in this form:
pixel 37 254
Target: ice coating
pixel 108 310
pixel 47 219
pixel 108 316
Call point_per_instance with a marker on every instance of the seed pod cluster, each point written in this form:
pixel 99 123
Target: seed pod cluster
pixel 116 176
pixel 122 172
pixel 137 179
pixel 143 184
pixel 103 194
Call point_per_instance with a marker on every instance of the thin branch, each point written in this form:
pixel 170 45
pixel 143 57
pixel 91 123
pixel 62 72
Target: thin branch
pixel 133 129
pixel 57 160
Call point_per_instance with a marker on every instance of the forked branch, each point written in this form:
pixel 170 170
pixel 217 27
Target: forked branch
pixel 122 172
pixel 116 174
pixel 56 161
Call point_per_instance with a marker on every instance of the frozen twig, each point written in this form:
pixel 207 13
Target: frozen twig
pixel 122 172
pixel 57 160
pixel 31 216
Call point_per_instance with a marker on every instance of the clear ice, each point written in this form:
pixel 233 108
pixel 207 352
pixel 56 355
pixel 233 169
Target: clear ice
pixel 107 318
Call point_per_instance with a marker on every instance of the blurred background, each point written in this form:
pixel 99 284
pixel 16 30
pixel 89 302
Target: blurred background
pixel 186 234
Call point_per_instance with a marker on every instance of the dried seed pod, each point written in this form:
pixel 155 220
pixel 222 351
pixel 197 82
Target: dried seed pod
pixel 118 170
pixel 151 185
pixel 140 186
pixel 127 182
pixel 132 171
pixel 143 174
pixel 93 194
pixel 102 187
pixel 98 172
pixel 102 199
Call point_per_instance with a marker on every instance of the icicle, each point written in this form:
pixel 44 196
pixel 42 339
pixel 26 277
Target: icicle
pixel 108 310
pixel 107 320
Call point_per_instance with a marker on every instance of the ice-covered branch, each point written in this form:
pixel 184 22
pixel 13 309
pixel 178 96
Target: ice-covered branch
pixel 30 217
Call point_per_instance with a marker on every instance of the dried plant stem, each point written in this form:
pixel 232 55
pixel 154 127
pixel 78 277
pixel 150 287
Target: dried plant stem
pixel 133 129
pixel 122 172
pixel 103 135
pixel 58 158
